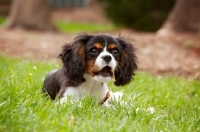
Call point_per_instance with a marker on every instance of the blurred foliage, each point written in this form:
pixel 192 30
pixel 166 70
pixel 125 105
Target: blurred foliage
pixel 141 15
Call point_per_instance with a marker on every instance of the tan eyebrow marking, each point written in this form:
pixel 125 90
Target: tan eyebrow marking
pixel 98 45
pixel 111 46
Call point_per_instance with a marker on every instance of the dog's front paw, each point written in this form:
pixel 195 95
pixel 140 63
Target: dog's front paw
pixel 114 97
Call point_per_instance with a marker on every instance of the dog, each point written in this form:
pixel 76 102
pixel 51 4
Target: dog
pixel 88 63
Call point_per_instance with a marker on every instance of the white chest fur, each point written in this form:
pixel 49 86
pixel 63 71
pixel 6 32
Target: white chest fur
pixel 90 87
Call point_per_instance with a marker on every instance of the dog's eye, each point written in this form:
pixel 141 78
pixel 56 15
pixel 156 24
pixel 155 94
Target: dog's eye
pixel 94 51
pixel 115 52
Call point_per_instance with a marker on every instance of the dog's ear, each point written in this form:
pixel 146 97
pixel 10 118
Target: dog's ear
pixel 73 57
pixel 127 63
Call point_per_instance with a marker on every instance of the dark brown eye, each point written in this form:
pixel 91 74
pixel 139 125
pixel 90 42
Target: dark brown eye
pixel 94 51
pixel 115 52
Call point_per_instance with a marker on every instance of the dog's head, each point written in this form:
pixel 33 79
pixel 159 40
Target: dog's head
pixel 100 56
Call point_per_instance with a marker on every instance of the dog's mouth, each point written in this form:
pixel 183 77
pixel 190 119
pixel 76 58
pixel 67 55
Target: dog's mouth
pixel 105 72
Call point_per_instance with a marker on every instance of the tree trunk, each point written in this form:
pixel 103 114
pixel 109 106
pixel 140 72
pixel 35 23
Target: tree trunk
pixel 184 17
pixel 30 14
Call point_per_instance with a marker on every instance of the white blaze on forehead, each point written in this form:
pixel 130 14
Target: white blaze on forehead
pixel 100 62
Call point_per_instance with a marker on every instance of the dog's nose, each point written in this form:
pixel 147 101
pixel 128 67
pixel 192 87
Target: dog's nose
pixel 107 58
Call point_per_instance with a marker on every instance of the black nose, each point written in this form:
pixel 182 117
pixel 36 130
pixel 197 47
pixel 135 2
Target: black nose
pixel 107 58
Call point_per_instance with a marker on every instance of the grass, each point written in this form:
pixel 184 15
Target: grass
pixel 83 27
pixel 2 20
pixel 164 104
pixel 71 27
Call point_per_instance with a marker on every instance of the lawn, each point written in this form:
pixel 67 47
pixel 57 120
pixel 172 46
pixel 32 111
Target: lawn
pixel 2 20
pixel 71 27
pixel 166 104
pixel 83 27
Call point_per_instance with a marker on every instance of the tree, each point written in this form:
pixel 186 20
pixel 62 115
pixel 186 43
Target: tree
pixel 184 17
pixel 30 14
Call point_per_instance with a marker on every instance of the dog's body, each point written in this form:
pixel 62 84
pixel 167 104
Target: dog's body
pixel 89 62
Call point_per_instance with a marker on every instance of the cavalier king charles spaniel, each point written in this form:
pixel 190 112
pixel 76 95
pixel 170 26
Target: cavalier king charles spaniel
pixel 88 63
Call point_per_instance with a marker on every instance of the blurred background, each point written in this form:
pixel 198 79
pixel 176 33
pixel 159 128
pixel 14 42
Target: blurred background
pixel 166 33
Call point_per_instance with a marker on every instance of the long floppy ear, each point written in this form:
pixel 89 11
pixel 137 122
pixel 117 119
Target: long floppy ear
pixel 73 57
pixel 127 64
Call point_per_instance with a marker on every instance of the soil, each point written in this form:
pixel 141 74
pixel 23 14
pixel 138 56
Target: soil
pixel 175 54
